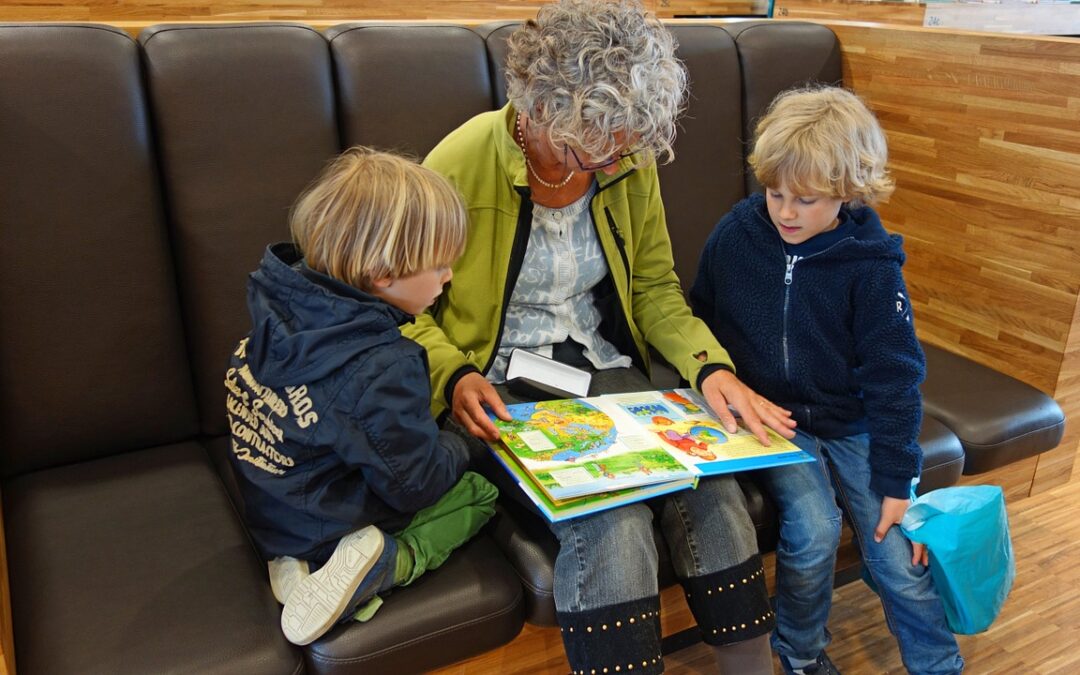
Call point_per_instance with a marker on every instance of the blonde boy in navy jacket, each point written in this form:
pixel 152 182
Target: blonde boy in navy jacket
pixel 333 444
pixel 803 286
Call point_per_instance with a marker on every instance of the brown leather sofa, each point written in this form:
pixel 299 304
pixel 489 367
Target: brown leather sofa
pixel 139 183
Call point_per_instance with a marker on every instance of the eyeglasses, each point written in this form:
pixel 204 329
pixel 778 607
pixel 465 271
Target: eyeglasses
pixel 599 165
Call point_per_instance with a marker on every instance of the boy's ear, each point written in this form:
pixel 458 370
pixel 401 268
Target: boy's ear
pixel 382 282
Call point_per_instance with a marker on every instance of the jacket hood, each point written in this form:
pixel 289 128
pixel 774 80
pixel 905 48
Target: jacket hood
pixel 307 324
pixel 870 239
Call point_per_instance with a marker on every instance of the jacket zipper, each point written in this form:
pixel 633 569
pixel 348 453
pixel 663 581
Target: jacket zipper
pixel 787 300
pixel 789 273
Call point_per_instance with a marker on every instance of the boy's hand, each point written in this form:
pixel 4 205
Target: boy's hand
pixel 471 394
pixel 722 388
pixel 892 512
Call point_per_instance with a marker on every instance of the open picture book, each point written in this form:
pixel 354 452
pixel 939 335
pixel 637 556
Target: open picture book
pixel 581 455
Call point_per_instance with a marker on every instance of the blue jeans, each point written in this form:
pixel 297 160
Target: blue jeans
pixel 606 589
pixel 806 496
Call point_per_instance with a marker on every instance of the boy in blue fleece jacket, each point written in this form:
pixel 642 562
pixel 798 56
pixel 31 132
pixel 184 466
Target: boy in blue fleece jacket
pixel 803 286
pixel 333 443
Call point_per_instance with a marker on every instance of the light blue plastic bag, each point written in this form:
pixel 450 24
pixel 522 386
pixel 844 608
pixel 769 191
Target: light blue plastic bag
pixel 966 531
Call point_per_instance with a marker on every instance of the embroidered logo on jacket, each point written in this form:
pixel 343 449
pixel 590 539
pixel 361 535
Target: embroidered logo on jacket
pixel 256 413
pixel 902 307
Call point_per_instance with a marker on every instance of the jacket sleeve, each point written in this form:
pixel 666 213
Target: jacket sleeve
pixel 660 309
pixel 891 367
pixel 448 363
pixel 404 464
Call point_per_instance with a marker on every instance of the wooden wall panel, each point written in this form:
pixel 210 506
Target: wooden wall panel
pixel 330 10
pixel 1055 466
pixel 1015 479
pixel 666 9
pixel 984 132
pixel 897 13
pixel 257 10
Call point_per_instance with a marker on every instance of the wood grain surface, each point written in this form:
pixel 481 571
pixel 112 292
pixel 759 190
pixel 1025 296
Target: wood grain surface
pixel 899 13
pixel 984 137
pixel 155 11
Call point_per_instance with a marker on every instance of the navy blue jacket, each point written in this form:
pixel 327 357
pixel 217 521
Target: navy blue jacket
pixel 829 338
pixel 329 411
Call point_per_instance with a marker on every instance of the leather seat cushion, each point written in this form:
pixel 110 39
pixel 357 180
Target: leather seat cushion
pixel 997 418
pixel 137 563
pixel 943 456
pixel 472 604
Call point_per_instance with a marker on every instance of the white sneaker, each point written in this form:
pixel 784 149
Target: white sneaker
pixel 285 573
pixel 318 600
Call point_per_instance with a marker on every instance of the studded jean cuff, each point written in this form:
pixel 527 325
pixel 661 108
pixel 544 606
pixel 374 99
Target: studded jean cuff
pixel 731 605
pixel 622 638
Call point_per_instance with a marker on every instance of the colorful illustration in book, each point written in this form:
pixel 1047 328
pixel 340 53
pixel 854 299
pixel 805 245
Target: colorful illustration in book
pixel 646 410
pixel 564 431
pixel 617 468
pixel 693 438
pixel 708 434
pixel 684 404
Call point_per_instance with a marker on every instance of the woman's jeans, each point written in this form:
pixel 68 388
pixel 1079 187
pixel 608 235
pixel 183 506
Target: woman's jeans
pixel 806 496
pixel 606 588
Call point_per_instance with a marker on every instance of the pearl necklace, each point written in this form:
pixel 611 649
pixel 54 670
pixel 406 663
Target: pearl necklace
pixel 528 164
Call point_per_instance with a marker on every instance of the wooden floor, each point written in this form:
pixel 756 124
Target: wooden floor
pixel 1037 633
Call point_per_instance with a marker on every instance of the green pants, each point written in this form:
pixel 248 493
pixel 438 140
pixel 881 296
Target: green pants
pixel 436 531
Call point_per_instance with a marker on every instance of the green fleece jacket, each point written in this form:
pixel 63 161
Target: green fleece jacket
pixel 641 300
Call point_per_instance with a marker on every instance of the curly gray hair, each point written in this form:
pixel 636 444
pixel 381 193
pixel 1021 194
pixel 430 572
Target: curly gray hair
pixel 589 69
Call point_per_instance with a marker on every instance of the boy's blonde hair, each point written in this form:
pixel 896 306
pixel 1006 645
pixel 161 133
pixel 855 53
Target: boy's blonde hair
pixel 372 215
pixel 822 140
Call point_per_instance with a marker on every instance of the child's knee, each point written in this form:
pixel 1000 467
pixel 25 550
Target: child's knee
pixel 484 492
pixel 811 538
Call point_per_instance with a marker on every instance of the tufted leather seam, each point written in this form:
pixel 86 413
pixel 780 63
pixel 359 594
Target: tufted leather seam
pixel 1013 439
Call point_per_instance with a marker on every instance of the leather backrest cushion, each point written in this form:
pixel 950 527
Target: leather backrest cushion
pixel 776 56
pixel 92 358
pixel 706 178
pixel 495 36
pixel 245 120
pixel 403 88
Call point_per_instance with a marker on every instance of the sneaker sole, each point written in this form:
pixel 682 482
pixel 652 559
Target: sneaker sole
pixel 285 573
pixel 319 600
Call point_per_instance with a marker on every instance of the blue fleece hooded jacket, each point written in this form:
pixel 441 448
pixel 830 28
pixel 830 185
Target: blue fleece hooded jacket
pixel 829 337
pixel 329 414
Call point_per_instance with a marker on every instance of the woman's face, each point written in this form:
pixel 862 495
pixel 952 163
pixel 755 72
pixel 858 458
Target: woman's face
pixel 580 161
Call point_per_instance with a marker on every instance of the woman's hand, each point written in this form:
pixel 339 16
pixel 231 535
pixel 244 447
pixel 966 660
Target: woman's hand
pixel 471 393
pixel 892 512
pixel 722 388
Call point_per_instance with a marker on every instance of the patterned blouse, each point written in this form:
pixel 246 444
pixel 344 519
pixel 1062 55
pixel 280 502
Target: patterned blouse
pixel 552 299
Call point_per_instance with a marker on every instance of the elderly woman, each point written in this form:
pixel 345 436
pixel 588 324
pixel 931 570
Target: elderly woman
pixel 568 255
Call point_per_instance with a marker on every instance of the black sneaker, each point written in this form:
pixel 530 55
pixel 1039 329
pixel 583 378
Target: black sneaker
pixel 821 666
